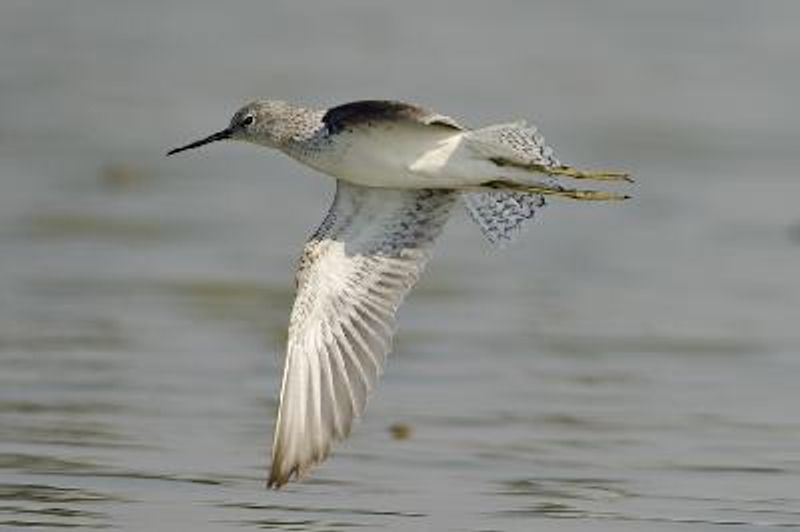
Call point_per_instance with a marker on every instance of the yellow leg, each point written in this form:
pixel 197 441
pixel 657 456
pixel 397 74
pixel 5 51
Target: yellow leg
pixel 597 175
pixel 546 190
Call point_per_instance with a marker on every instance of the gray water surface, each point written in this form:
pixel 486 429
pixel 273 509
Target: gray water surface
pixel 622 367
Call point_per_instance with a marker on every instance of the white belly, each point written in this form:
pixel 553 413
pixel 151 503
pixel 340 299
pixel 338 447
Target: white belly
pixel 402 156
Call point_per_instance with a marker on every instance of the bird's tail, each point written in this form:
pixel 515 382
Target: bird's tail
pixel 516 142
pixel 502 215
pixel 520 154
pixel 527 171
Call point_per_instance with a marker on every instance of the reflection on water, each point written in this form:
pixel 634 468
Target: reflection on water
pixel 621 368
pixel 76 226
pixel 38 506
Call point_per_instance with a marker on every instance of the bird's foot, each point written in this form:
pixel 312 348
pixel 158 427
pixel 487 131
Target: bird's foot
pixel 575 173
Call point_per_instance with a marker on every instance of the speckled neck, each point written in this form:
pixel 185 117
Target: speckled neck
pixel 297 125
pixel 304 135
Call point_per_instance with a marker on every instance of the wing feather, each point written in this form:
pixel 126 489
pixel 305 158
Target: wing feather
pixel 353 275
pixel 502 215
pixel 368 112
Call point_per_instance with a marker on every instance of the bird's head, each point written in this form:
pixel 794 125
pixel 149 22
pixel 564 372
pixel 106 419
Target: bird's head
pixel 262 122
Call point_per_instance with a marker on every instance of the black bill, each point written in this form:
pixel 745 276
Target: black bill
pixel 219 135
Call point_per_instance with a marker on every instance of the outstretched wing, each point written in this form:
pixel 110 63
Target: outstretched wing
pixel 369 112
pixel 353 275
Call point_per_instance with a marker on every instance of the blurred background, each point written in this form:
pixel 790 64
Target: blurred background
pixel 621 367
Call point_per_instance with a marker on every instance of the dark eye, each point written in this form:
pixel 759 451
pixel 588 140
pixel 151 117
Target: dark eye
pixel 248 120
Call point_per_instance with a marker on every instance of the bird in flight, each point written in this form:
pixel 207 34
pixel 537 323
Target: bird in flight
pixel 400 170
